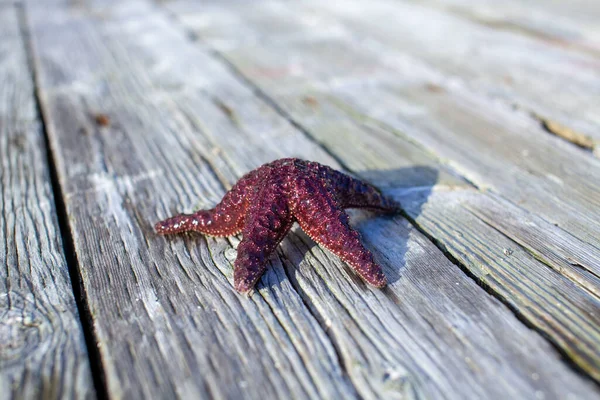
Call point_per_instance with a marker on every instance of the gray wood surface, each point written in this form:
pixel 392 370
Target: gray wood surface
pixel 42 348
pixel 144 123
pixel 343 94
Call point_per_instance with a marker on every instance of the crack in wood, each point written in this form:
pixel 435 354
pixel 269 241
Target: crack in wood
pixel 564 132
pixel 85 315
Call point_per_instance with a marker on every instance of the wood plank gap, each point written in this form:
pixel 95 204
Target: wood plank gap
pixel 98 376
pixel 309 306
pixel 480 187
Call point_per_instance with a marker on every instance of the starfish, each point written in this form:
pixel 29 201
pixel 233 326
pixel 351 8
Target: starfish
pixel 265 203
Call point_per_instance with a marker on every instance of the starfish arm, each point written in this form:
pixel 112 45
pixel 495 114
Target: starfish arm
pixel 323 219
pixel 225 219
pixel 268 221
pixel 354 193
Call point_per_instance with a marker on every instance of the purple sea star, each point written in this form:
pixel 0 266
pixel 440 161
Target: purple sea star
pixel 264 204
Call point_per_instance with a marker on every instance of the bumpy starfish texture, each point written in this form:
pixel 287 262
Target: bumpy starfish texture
pixel 265 203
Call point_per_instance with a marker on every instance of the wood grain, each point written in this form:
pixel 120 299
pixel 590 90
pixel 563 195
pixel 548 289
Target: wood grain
pixel 369 120
pixel 42 348
pixel 182 127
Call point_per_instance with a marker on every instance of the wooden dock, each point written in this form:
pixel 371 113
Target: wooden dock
pixel 481 117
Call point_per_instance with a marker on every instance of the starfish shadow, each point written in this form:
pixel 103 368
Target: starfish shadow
pixel 387 236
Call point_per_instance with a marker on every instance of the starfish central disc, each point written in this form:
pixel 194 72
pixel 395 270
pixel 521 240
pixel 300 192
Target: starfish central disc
pixel 265 203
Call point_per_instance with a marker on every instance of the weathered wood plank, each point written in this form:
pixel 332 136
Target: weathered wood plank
pixel 165 311
pixel 42 347
pixel 334 112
